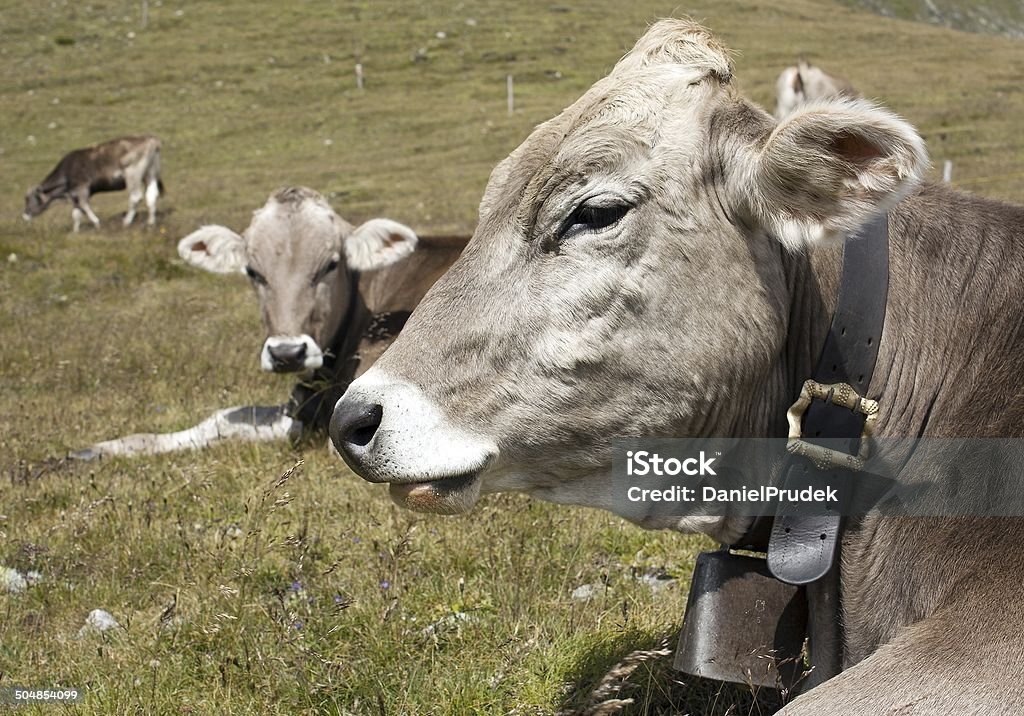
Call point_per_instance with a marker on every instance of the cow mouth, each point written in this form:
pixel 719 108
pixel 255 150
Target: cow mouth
pixel 306 366
pixel 447 496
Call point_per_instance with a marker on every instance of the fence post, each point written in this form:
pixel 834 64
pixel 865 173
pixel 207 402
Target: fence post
pixel 359 75
pixel 510 89
pixel 947 171
pixel 145 13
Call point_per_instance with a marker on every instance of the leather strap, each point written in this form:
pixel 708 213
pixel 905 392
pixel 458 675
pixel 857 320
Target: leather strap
pixel 801 549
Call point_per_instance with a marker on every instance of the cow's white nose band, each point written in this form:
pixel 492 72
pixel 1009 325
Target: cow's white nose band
pixel 312 356
pixel 415 440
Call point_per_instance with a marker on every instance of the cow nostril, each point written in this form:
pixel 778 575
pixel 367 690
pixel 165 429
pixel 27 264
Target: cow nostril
pixel 355 424
pixel 288 353
pixel 362 436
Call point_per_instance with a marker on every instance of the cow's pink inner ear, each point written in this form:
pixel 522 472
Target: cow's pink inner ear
pixel 855 148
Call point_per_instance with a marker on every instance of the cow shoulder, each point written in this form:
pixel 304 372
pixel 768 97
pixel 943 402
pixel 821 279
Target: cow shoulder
pixel 402 285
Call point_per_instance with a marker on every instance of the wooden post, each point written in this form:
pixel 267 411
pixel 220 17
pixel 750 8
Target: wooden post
pixel 359 75
pixel 947 171
pixel 510 89
pixel 145 13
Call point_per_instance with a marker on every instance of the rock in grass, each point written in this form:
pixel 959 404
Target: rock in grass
pixel 12 581
pixel 98 621
pixel 584 592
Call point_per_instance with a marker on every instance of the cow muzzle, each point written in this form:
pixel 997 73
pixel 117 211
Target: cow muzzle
pixel 291 354
pixel 389 431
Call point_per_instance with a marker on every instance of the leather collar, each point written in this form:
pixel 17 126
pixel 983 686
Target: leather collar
pixel 802 549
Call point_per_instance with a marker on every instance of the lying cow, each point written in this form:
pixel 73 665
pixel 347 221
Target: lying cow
pixel 662 259
pixel 332 298
pixel 805 83
pixel 128 162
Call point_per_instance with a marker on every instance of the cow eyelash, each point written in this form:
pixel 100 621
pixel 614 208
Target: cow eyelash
pixel 587 217
pixel 255 276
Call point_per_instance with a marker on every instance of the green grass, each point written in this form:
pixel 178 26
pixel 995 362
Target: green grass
pixel 106 333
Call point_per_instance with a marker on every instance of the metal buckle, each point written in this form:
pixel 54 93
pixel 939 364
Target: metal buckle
pixel 843 395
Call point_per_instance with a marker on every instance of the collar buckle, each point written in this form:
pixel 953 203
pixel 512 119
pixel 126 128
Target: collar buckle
pixel 844 396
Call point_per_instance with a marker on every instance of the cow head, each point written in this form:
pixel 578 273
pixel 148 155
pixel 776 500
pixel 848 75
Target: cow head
pixel 627 278
pixel 36 202
pixel 300 257
pixel 805 83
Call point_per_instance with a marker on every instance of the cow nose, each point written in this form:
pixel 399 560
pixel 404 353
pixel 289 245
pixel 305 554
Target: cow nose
pixel 287 354
pixel 353 426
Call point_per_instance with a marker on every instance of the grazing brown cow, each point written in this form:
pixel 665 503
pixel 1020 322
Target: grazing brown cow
pixel 662 259
pixel 332 297
pixel 128 162
pixel 805 83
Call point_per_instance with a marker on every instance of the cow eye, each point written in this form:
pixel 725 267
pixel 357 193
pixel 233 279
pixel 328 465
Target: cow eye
pixel 326 270
pixel 591 217
pixel 255 276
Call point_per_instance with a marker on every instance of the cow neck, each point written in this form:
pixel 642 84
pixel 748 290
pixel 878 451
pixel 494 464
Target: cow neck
pixel 313 397
pixel 345 338
pixel 848 355
pixel 802 550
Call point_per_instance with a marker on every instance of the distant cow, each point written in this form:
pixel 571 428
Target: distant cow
pixel 805 83
pixel 128 162
pixel 332 297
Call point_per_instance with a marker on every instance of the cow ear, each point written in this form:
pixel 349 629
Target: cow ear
pixel 830 167
pixel 216 249
pixel 378 243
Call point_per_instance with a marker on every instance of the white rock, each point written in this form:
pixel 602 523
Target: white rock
pixel 12 581
pixel 584 592
pixel 98 620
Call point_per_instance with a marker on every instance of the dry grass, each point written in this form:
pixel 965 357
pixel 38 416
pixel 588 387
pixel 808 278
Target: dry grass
pixel 239 592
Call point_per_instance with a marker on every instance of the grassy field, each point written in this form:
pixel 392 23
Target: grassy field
pixel 1003 17
pixel 269 579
